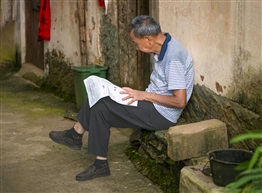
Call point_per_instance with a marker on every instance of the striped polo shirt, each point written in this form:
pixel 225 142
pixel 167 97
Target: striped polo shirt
pixel 172 70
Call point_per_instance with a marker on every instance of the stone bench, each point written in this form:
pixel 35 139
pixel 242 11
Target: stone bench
pixel 196 139
pixel 191 142
pixel 188 143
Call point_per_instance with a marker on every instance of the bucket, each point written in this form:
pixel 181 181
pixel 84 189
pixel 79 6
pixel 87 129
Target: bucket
pixel 223 163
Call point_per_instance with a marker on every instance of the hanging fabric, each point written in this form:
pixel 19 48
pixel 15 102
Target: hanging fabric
pixel 104 4
pixel 45 21
pixel 101 3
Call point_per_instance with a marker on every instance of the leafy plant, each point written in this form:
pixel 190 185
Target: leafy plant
pixel 59 77
pixel 250 180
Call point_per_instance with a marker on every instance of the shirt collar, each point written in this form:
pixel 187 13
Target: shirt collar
pixel 164 47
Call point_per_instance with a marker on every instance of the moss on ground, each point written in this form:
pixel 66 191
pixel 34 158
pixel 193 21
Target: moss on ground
pixel 165 175
pixel 34 107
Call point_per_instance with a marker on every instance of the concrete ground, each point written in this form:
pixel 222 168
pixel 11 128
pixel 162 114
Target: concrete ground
pixel 32 163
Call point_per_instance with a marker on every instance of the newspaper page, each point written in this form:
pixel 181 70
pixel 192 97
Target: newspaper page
pixel 98 88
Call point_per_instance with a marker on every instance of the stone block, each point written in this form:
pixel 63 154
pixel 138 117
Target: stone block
pixel 196 161
pixel 193 180
pixel 196 139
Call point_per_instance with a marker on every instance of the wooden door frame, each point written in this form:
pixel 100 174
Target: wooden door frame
pixel 143 59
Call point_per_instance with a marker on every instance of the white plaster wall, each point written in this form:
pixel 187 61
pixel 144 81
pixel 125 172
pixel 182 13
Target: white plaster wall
pixel 248 23
pixel 6 12
pixel 10 29
pixel 22 31
pixel 213 32
pixel 93 17
pixel 65 30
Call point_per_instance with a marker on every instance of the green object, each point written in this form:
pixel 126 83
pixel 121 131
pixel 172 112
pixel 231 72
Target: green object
pixel 80 73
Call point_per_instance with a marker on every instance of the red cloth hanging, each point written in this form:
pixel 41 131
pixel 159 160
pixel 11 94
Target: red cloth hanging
pixel 45 21
pixel 101 3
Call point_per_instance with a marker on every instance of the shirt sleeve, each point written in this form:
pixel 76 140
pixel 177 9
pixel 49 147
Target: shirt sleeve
pixel 176 72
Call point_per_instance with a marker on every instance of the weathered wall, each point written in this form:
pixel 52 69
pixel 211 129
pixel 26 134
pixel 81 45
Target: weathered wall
pixel 9 30
pixel 127 55
pixel 110 42
pixel 224 39
pixel 94 16
pixel 65 30
pixel 65 35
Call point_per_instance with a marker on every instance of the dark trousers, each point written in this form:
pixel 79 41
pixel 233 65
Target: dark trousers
pixel 106 113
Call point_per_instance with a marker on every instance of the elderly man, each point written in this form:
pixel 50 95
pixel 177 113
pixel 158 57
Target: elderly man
pixel 159 106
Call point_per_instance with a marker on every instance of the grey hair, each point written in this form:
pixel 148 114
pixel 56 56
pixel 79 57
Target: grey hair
pixel 144 25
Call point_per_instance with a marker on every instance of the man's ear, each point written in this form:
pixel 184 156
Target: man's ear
pixel 149 39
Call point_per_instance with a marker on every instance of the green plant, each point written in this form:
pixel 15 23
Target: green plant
pixel 59 78
pixel 250 179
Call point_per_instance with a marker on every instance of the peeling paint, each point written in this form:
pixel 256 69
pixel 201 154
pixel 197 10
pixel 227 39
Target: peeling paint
pixel 94 23
pixel 76 16
pixel 90 36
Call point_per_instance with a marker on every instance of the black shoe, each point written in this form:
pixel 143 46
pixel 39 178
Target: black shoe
pixel 61 138
pixel 92 172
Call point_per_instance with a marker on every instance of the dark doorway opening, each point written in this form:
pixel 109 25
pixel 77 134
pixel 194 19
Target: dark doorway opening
pixel 34 52
pixel 143 59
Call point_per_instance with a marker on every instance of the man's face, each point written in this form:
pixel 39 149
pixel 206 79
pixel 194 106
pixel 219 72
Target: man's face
pixel 143 44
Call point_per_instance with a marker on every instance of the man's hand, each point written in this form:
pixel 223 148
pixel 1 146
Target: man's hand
pixel 178 99
pixel 133 95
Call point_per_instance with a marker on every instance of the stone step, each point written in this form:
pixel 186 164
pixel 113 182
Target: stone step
pixel 193 180
pixel 196 139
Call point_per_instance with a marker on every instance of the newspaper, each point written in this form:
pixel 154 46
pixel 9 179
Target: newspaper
pixel 98 88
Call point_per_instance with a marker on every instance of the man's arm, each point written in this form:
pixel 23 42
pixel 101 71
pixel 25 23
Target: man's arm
pixel 178 99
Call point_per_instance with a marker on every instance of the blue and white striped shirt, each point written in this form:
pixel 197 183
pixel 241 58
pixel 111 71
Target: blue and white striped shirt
pixel 172 70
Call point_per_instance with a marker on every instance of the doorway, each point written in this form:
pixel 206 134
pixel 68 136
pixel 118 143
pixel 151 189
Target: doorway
pixel 34 52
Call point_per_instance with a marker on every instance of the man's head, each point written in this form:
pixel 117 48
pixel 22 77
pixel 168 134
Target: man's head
pixel 144 26
pixel 143 31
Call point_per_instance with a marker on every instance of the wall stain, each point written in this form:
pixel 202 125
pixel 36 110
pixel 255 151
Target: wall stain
pixel 247 86
pixel 249 92
pixel 76 15
pixel 219 87
pixel 202 77
pixel 94 23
